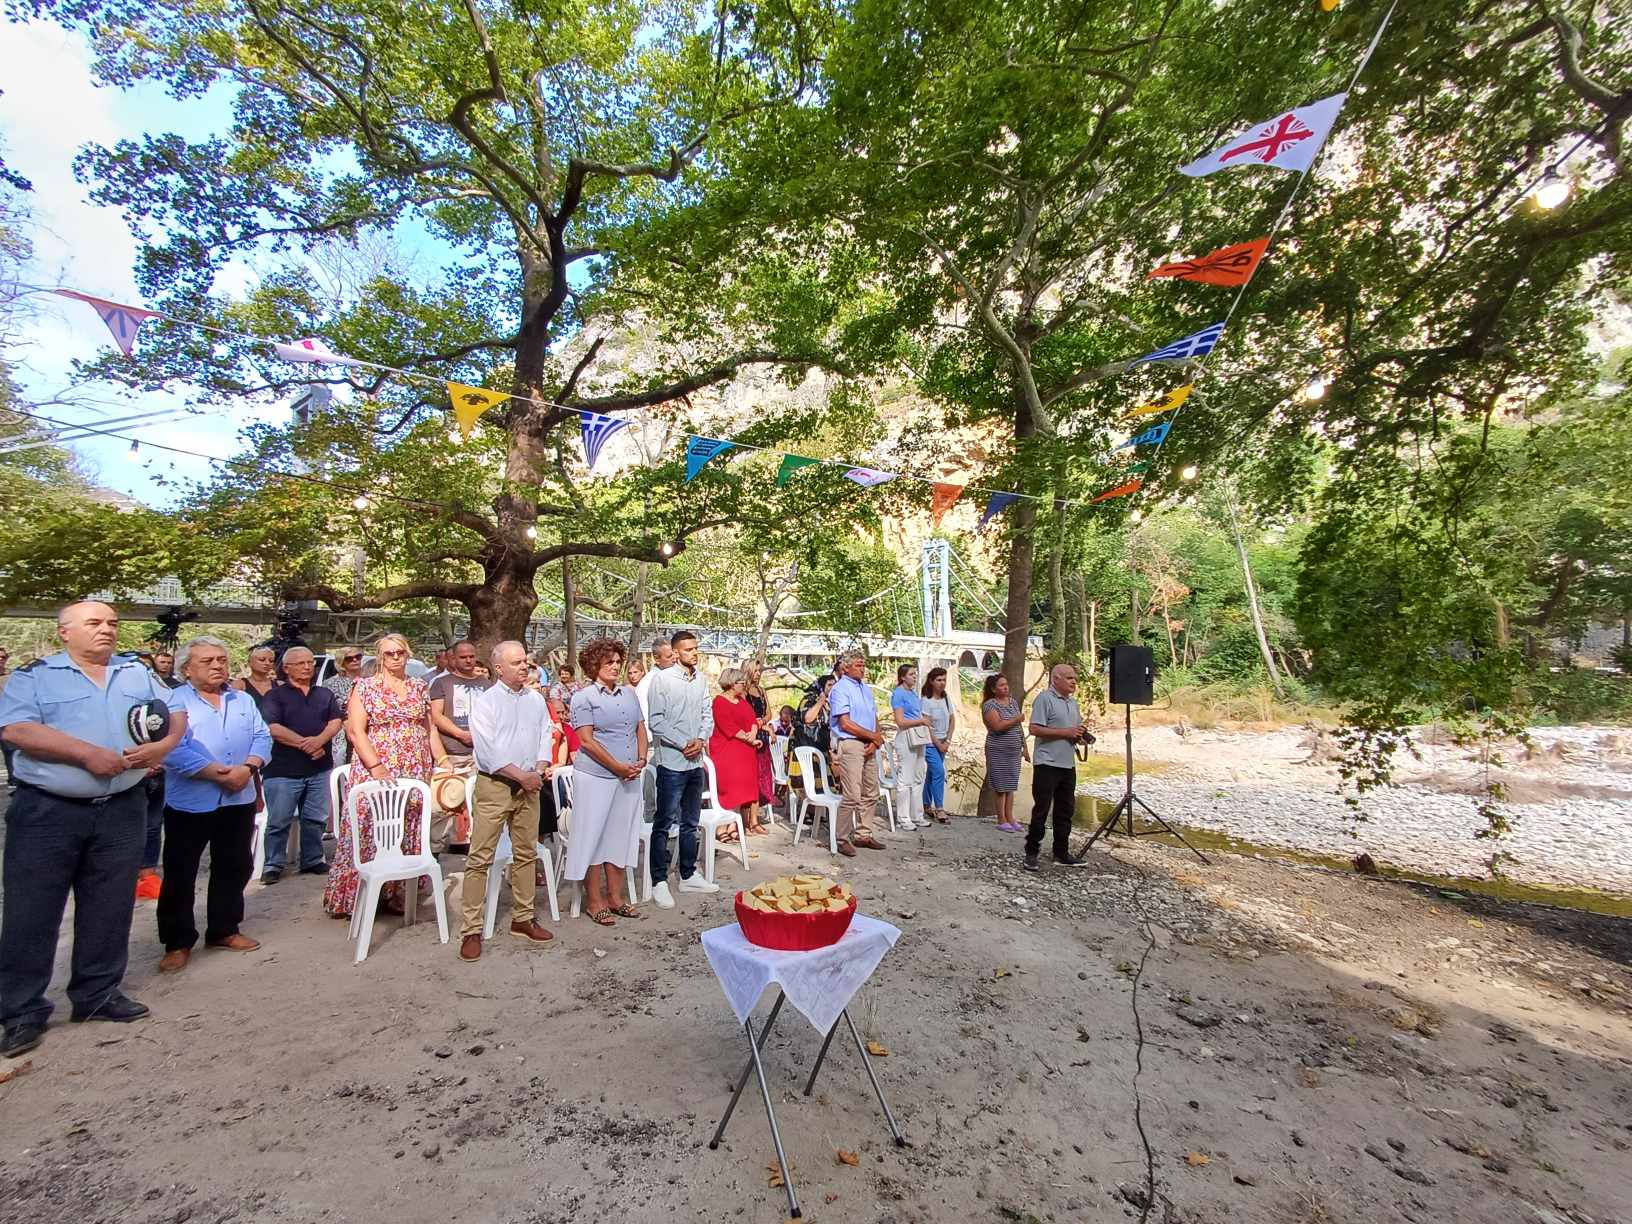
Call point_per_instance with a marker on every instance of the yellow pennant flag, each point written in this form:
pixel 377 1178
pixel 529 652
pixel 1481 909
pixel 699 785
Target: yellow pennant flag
pixel 470 402
pixel 1173 399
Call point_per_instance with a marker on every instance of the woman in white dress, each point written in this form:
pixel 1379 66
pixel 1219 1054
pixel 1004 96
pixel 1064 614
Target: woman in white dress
pixel 606 792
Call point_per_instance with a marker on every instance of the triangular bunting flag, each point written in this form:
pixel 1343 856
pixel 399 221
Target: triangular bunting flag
pixel 868 477
pixel 1197 344
pixel 596 430
pixel 998 503
pixel 1121 490
pixel 312 350
pixel 941 501
pixel 1155 433
pixel 1172 399
pixel 470 402
pixel 1289 141
pixel 1231 265
pixel 790 465
pixel 122 321
pixel 700 450
pixel 1138 467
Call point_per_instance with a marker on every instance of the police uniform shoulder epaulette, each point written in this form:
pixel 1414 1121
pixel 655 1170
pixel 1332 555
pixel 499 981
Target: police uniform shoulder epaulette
pixel 30 666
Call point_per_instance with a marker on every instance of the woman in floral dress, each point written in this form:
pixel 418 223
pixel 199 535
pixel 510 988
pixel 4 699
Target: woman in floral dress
pixel 388 721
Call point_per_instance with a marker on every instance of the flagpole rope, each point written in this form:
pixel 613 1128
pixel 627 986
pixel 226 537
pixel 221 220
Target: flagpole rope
pixel 431 379
pixel 1286 211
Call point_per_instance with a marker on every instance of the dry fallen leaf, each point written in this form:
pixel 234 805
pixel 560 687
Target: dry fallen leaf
pixel 12 1072
pixel 846 1158
pixel 876 1050
pixel 1195 1159
pixel 775 1180
pixel 1000 972
pixel 830 1198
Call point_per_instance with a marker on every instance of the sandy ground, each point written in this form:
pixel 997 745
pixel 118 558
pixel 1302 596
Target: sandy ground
pixel 1294 1045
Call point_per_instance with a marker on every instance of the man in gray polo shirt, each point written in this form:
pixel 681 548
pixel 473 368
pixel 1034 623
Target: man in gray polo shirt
pixel 1056 727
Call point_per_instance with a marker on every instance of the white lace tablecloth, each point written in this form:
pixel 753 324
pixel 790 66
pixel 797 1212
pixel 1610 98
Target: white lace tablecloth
pixel 819 984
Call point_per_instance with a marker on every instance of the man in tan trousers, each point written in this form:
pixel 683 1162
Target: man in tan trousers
pixel 510 737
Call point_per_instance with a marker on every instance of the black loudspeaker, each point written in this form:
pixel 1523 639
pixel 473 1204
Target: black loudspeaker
pixel 1133 675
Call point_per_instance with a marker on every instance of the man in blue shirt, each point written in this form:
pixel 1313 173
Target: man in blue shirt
pixel 303 720
pixel 856 741
pixel 209 786
pixel 75 822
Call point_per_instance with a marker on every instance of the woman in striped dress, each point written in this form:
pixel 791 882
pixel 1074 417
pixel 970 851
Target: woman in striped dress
pixel 1005 745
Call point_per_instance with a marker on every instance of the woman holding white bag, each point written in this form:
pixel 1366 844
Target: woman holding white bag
pixel 911 743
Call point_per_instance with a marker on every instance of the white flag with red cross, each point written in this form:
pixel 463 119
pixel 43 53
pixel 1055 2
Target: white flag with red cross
pixel 1288 142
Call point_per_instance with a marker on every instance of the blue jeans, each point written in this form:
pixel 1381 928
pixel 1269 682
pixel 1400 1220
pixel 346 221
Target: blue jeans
pixel 934 778
pixel 679 801
pixel 283 796
pixel 54 847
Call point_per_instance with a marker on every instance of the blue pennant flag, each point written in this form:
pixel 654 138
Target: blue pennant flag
pixel 1155 433
pixel 700 450
pixel 597 429
pixel 1188 349
pixel 999 502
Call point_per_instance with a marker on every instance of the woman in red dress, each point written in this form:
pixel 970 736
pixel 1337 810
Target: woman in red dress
pixel 733 748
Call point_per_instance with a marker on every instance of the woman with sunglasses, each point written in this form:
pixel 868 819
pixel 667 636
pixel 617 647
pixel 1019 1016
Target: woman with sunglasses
pixel 388 720
pixel 350 661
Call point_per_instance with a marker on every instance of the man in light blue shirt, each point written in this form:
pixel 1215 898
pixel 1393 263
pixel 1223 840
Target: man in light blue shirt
pixel 209 802
pixel 679 720
pixel 76 821
pixel 856 741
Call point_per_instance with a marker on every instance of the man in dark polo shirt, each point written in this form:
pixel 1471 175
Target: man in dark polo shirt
pixel 304 719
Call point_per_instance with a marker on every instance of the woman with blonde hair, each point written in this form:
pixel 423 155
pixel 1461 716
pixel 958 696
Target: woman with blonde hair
pixel 607 802
pixel 388 721
pixel 733 747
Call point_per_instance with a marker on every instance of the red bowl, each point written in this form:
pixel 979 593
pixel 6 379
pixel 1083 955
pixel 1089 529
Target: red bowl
pixel 794 932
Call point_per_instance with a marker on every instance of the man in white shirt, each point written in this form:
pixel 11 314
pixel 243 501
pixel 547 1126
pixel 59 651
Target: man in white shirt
pixel 662 657
pixel 511 733
pixel 679 721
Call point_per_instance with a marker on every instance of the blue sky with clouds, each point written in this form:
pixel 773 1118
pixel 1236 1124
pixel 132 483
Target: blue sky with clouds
pixel 49 110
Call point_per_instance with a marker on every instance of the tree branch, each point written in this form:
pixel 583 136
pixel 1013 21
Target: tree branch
pixel 339 601
pixel 704 378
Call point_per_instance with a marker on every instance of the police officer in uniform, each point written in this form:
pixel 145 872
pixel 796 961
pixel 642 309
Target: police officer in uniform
pixel 76 820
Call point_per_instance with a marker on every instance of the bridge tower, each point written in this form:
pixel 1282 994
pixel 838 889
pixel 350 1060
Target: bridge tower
pixel 935 574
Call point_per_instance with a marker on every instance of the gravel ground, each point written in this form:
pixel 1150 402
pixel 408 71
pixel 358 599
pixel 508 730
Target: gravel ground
pixel 1571 802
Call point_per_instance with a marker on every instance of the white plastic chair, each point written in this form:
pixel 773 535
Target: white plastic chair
pixel 779 775
pixel 641 851
pixel 337 797
pixel 563 835
pixel 261 818
pixel 503 856
pixel 888 766
pixel 819 799
pixel 713 817
pixel 388 809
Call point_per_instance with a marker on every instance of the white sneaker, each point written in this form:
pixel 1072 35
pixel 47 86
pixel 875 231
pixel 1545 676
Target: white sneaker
pixel 696 883
pixel 661 894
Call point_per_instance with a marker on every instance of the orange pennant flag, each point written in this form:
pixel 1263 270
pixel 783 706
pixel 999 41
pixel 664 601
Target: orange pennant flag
pixel 1231 265
pixel 941 502
pixel 1172 399
pixel 1121 490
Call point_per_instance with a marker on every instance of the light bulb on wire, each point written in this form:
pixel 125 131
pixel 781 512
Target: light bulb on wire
pixel 1315 388
pixel 134 446
pixel 1551 191
pixel 360 502
pixel 532 533
pixel 1136 516
pixel 1190 472
pixel 666 549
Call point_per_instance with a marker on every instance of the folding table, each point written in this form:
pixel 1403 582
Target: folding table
pixel 820 985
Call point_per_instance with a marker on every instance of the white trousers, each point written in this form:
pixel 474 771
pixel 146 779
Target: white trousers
pixel 910 771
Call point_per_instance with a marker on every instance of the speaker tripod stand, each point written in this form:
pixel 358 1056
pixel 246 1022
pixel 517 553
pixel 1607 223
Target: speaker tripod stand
pixel 1124 806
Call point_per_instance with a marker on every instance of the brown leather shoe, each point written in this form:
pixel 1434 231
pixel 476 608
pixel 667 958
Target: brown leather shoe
pixel 470 948
pixel 175 960
pixel 846 849
pixel 530 930
pixel 235 943
pixel 868 842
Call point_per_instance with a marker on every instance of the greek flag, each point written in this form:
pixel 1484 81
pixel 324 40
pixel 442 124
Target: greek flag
pixel 1156 433
pixel 597 429
pixel 1188 349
